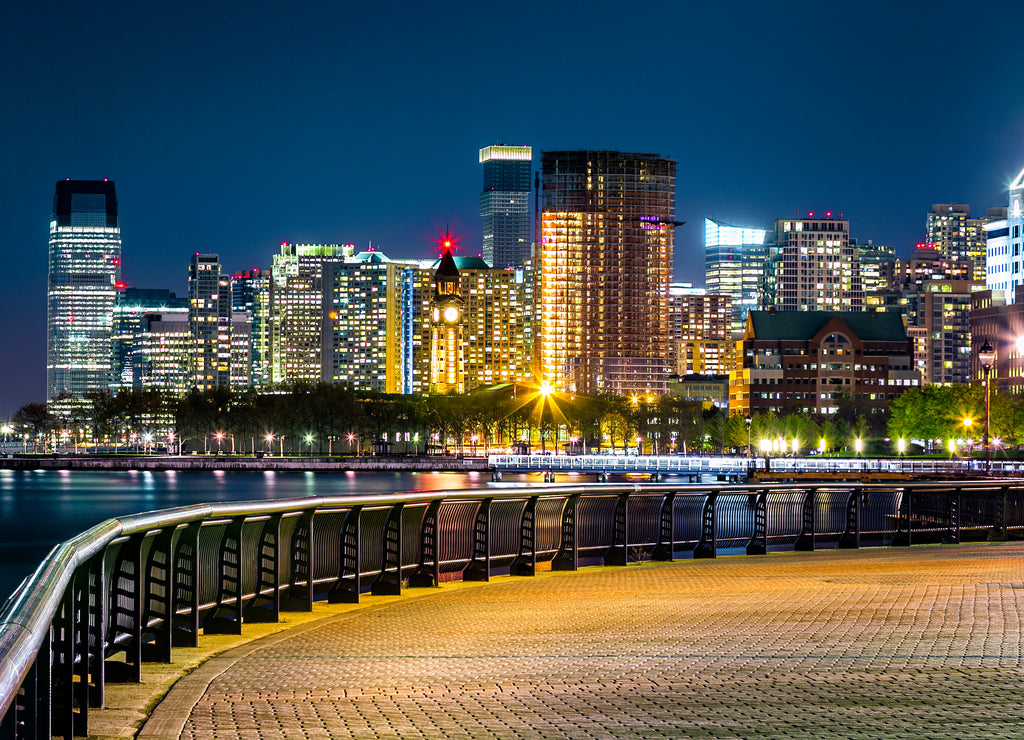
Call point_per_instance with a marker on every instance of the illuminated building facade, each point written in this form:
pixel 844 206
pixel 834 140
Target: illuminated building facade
pixel 361 338
pixel 297 310
pixel 877 264
pixel 943 309
pixel 1001 323
pixel 209 318
pixel 958 237
pixel 1006 244
pixel 734 258
pixel 505 205
pixel 250 293
pixel 447 352
pixel 808 361
pixel 131 312
pixel 603 269
pixel 700 326
pixel 82 286
pixel 161 353
pixel 812 266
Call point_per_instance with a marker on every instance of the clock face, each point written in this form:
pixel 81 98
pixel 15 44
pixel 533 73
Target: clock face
pixel 451 314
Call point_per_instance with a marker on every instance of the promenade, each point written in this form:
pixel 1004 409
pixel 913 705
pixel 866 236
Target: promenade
pixel 922 642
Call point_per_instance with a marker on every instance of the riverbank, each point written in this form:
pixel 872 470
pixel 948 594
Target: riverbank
pixel 412 463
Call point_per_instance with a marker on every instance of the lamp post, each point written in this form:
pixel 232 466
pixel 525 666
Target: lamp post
pixel 987 357
pixel 749 420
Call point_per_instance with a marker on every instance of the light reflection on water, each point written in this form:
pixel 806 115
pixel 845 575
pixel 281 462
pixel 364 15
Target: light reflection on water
pixel 40 508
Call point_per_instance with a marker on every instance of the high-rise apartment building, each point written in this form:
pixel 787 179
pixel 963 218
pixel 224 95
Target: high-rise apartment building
pixel 209 318
pixel 700 326
pixel 734 259
pixel 505 205
pixel 250 293
pixel 297 310
pixel 812 266
pixel 942 315
pixel 958 237
pixel 603 269
pixel 84 273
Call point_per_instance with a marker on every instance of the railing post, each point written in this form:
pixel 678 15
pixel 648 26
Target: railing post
pixel 345 590
pixel 618 552
pixel 185 627
pixel 428 572
pixel 159 599
pixel 266 601
pixel 665 548
pixel 707 547
pixel 78 644
pixel 389 581
pixel 567 557
pixel 758 544
pixel 998 531
pixel 902 537
pixel 850 538
pixel 125 609
pixel 479 567
pixel 952 535
pixel 525 563
pixel 299 596
pixel 805 542
pixel 226 618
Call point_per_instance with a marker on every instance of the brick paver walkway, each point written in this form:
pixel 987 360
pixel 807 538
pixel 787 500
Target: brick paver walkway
pixel 878 643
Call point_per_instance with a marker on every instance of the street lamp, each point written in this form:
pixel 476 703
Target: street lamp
pixel 858 445
pixel 749 421
pixel 987 357
pixel 901 446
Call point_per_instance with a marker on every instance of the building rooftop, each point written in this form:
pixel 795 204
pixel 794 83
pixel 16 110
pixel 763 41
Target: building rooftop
pixel 803 325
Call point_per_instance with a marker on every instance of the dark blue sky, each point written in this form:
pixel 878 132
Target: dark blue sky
pixel 229 127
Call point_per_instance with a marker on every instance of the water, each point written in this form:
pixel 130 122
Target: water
pixel 41 508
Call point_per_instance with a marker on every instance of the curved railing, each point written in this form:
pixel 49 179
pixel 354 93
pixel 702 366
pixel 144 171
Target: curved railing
pixel 131 589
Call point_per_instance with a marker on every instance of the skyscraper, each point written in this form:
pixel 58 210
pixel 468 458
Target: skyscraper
pixel 505 205
pixel 209 318
pixel 250 293
pixel 812 266
pixel 603 269
pixel 951 230
pixel 734 266
pixel 84 272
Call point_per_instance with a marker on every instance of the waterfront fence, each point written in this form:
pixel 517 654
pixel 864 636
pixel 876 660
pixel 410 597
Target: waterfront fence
pixel 132 589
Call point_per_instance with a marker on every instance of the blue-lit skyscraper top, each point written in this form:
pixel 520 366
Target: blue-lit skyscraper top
pixel 505 205
pixel 734 265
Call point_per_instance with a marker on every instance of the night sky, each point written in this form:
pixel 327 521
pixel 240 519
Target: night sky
pixel 229 127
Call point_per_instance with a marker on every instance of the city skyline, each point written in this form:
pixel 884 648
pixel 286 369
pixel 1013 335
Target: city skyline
pixel 364 124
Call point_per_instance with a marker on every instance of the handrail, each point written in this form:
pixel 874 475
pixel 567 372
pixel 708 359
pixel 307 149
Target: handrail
pixel 28 616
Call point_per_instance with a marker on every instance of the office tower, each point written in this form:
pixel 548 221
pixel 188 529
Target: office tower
pixel 132 310
pixel 877 264
pixel 82 285
pixel 998 264
pixel 942 316
pixel 813 267
pixel 734 266
pixel 505 205
pixel 700 326
pixel 209 318
pixel 1014 239
pixel 250 293
pixel 161 353
pixel 297 310
pixel 1001 323
pixel 958 237
pixel 603 269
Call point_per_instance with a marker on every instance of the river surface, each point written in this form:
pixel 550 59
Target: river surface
pixel 41 508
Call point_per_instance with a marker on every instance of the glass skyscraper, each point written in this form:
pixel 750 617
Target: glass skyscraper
pixel 82 287
pixel 734 266
pixel 505 205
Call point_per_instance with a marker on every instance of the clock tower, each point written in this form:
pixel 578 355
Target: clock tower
pixel 447 358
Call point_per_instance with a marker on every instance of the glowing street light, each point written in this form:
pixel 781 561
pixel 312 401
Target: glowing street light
pixel 858 445
pixel 821 446
pixel 901 445
pixel 987 358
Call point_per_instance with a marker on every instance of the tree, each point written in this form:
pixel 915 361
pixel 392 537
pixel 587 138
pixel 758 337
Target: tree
pixel 34 419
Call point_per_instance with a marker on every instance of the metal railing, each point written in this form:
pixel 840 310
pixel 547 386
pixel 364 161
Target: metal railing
pixel 132 589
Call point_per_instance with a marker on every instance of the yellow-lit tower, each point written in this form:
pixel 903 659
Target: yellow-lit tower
pixel 447 357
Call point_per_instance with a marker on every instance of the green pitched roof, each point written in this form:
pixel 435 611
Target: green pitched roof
pixel 802 325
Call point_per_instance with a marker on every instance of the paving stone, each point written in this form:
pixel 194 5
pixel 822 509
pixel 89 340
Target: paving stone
pixel 919 642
